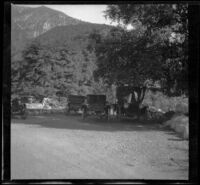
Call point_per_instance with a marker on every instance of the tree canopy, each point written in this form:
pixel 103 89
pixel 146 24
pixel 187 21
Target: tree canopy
pixel 154 50
pixel 47 71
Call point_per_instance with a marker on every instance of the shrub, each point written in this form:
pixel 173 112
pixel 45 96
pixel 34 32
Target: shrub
pixel 165 103
pixel 180 124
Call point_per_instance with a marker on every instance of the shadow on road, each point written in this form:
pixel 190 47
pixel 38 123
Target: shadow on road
pixel 93 124
pixel 177 139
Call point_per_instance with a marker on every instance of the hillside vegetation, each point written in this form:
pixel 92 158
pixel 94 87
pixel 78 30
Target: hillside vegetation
pixel 55 61
pixel 82 58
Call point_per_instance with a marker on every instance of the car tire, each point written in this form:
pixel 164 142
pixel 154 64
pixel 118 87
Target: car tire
pixel 84 113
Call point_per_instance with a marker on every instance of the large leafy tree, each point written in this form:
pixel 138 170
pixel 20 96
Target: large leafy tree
pixel 125 58
pixel 167 24
pixel 154 50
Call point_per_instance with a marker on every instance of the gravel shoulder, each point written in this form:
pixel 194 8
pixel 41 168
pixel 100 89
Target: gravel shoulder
pixel 65 147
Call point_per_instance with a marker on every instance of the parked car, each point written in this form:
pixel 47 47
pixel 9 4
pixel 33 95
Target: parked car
pixel 75 103
pixel 96 105
pixel 18 107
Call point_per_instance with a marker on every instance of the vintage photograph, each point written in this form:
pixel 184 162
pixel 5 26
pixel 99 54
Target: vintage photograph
pixel 99 91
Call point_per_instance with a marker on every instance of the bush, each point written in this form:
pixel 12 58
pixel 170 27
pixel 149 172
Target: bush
pixel 165 103
pixel 180 124
pixel 181 108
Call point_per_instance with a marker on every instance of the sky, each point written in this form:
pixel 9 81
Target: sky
pixel 89 13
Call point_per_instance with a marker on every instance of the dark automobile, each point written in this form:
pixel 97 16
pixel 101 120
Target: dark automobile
pixel 75 103
pixel 95 104
pixel 18 107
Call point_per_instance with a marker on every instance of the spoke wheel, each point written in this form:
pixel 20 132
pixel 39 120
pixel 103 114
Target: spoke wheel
pixel 84 113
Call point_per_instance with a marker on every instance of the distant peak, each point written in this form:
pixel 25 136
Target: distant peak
pixel 43 7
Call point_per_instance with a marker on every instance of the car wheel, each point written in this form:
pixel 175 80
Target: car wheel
pixel 84 113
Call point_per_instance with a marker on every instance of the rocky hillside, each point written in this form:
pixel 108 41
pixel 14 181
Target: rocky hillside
pixel 51 26
pixel 36 21
pixel 74 37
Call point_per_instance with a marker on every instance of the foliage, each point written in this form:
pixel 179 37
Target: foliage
pixel 155 50
pixel 45 71
pixel 122 58
pixel 42 71
pixel 161 101
pixel 165 27
pixel 54 63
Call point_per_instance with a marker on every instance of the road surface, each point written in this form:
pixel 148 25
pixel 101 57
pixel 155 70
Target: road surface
pixel 66 147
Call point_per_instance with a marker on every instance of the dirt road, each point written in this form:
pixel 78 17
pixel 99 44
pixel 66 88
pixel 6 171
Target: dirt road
pixel 65 147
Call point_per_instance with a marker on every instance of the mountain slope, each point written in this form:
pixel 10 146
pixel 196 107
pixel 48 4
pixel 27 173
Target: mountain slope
pixel 28 24
pixel 74 37
pixel 35 21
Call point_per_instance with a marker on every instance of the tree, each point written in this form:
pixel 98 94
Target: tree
pixel 123 57
pixel 43 71
pixel 149 52
pixel 168 24
pixel 47 71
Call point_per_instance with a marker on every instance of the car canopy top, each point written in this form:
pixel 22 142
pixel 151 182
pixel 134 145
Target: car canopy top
pixel 96 99
pixel 76 99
